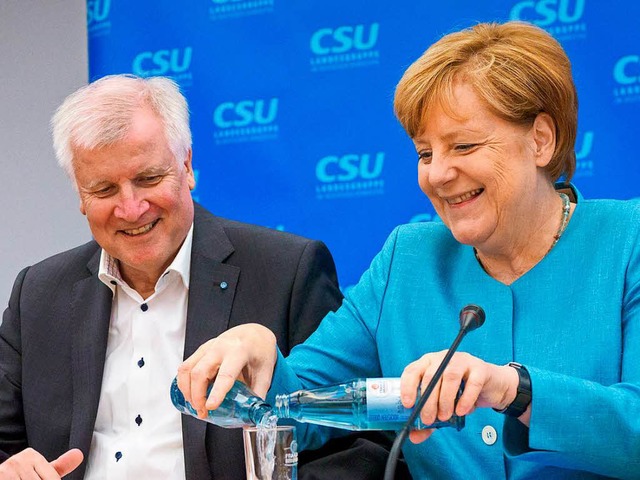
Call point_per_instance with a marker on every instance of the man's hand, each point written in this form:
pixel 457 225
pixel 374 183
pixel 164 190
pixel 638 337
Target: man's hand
pixel 29 464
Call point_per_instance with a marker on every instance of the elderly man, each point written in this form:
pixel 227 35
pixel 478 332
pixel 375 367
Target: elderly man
pixel 92 337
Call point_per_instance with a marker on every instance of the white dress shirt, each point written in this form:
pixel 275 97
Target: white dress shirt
pixel 138 432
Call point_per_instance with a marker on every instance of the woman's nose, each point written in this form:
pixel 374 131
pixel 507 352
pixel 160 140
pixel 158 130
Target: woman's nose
pixel 440 171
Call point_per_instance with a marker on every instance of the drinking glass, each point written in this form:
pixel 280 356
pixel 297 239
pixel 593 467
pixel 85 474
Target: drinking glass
pixel 270 453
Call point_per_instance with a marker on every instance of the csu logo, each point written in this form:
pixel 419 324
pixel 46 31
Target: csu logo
pixel 97 11
pixel 246 112
pixel 547 12
pixel 587 145
pixel 585 165
pixel 626 73
pixel 349 167
pixel 627 70
pixel 344 39
pixel 221 9
pixel 162 62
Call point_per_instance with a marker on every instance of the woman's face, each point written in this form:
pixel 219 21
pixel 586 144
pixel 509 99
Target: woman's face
pixel 482 173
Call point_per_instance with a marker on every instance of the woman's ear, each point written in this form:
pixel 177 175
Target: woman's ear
pixel 544 136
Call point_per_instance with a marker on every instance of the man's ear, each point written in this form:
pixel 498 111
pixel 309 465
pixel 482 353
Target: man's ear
pixel 191 178
pixel 82 209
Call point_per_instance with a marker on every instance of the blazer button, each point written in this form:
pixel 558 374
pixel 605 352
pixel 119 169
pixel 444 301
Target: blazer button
pixel 489 435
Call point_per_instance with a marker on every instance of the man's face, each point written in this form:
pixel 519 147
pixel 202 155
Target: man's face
pixel 136 197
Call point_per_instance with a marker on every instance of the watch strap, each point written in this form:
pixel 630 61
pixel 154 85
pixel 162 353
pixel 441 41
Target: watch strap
pixel 523 396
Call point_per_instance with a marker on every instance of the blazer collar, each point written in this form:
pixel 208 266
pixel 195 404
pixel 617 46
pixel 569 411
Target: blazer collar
pixel 211 293
pixel 90 311
pixel 213 283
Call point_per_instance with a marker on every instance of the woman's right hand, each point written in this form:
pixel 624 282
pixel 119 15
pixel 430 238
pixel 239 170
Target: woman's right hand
pixel 246 352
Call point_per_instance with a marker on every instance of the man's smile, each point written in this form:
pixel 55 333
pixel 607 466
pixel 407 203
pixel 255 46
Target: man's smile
pixel 140 230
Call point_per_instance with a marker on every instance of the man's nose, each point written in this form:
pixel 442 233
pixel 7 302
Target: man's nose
pixel 131 205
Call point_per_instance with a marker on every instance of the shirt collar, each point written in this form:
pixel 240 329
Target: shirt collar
pixel 109 271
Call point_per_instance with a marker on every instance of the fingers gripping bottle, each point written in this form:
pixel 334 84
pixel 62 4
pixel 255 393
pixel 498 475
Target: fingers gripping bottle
pixel 359 404
pixel 240 407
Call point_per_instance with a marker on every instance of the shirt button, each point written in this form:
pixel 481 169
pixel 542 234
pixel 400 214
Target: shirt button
pixel 141 362
pixel 144 307
pixel 118 456
pixel 489 435
pixel 139 420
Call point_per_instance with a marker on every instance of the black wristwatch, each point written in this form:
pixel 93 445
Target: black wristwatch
pixel 523 397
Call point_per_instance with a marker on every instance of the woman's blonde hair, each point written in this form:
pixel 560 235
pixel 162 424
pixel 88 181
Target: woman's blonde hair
pixel 518 69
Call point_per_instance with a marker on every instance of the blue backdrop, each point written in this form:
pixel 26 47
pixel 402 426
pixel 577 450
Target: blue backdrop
pixel 291 102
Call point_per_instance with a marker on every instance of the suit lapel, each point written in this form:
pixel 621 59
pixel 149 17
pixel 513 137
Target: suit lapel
pixel 212 288
pixel 91 311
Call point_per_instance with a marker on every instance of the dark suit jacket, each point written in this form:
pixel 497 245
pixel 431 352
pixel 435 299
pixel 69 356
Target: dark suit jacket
pixel 54 334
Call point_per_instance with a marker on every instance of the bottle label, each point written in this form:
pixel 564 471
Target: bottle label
pixel 383 401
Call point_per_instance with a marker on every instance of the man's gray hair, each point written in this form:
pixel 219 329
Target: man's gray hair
pixel 100 114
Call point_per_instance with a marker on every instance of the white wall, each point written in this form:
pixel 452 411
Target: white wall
pixel 43 58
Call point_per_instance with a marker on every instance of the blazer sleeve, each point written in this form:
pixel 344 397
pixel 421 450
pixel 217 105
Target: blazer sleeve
pixel 13 436
pixel 584 425
pixel 314 293
pixel 343 347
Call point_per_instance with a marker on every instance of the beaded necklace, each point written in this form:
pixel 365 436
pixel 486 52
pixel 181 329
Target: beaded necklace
pixel 566 208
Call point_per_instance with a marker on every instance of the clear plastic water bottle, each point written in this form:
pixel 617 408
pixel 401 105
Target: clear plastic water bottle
pixel 359 404
pixel 240 407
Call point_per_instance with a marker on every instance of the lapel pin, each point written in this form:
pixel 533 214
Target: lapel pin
pixel 224 285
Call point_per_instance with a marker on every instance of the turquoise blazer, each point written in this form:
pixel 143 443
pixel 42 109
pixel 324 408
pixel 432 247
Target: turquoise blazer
pixel 573 320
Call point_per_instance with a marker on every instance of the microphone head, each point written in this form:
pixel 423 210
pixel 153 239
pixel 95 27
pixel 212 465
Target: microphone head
pixel 471 317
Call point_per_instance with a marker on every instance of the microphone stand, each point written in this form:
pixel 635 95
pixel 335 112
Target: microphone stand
pixel 471 317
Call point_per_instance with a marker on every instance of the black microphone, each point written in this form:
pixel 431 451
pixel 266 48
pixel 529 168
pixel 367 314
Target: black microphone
pixel 471 317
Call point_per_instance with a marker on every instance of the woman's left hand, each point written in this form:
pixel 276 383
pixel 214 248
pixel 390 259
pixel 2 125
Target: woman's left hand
pixel 486 385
